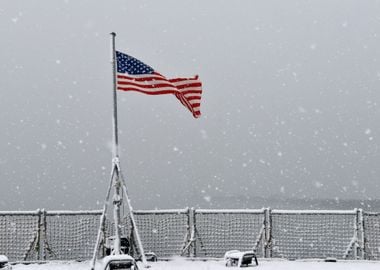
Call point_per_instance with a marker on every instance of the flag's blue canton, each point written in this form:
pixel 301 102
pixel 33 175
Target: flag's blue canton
pixel 130 65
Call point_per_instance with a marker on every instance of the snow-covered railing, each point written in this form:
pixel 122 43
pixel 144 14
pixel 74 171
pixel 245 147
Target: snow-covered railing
pixel 217 231
pixel 290 234
pixel 314 234
pixel 70 235
pixel 48 235
pixel 19 233
pixel 371 237
pixel 163 232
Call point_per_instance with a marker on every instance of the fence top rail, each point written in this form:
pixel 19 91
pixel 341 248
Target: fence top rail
pixel 314 212
pixel 161 211
pixel 19 213
pixel 371 213
pixel 69 213
pixel 230 211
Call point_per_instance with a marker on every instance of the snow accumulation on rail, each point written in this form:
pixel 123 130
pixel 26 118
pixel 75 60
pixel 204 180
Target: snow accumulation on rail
pixel 315 212
pixel 183 264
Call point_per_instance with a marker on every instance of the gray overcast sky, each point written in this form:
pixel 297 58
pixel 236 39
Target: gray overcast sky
pixel 290 104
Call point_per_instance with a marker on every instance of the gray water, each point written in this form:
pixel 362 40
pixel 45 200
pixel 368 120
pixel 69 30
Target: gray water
pixel 253 202
pixel 372 205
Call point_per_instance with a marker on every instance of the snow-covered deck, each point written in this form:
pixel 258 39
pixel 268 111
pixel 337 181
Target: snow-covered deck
pixel 180 263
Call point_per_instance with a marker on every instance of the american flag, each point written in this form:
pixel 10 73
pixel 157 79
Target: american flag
pixel 134 75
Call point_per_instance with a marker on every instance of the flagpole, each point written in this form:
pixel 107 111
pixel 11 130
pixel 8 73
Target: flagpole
pixel 119 180
pixel 115 172
pixel 116 180
pixel 117 201
pixel 115 126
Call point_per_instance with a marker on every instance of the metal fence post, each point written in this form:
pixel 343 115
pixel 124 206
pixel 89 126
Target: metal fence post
pixel 268 233
pixel 193 232
pixel 38 241
pixel 356 235
pixel 42 235
pixel 187 240
pixel 265 232
pixel 357 247
pixel 361 241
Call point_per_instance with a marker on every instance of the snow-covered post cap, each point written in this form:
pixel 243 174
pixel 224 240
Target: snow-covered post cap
pixel 3 259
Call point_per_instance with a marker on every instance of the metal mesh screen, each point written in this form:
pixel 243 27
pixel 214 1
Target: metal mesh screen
pixel 312 234
pixel 218 231
pixel 163 232
pixel 18 233
pixel 289 234
pixel 372 235
pixel 71 235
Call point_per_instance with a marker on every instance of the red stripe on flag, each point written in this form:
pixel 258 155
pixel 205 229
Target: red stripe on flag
pixel 162 92
pixel 187 90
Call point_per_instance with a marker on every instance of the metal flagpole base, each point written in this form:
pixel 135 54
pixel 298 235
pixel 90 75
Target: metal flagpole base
pixel 102 220
pixel 134 226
